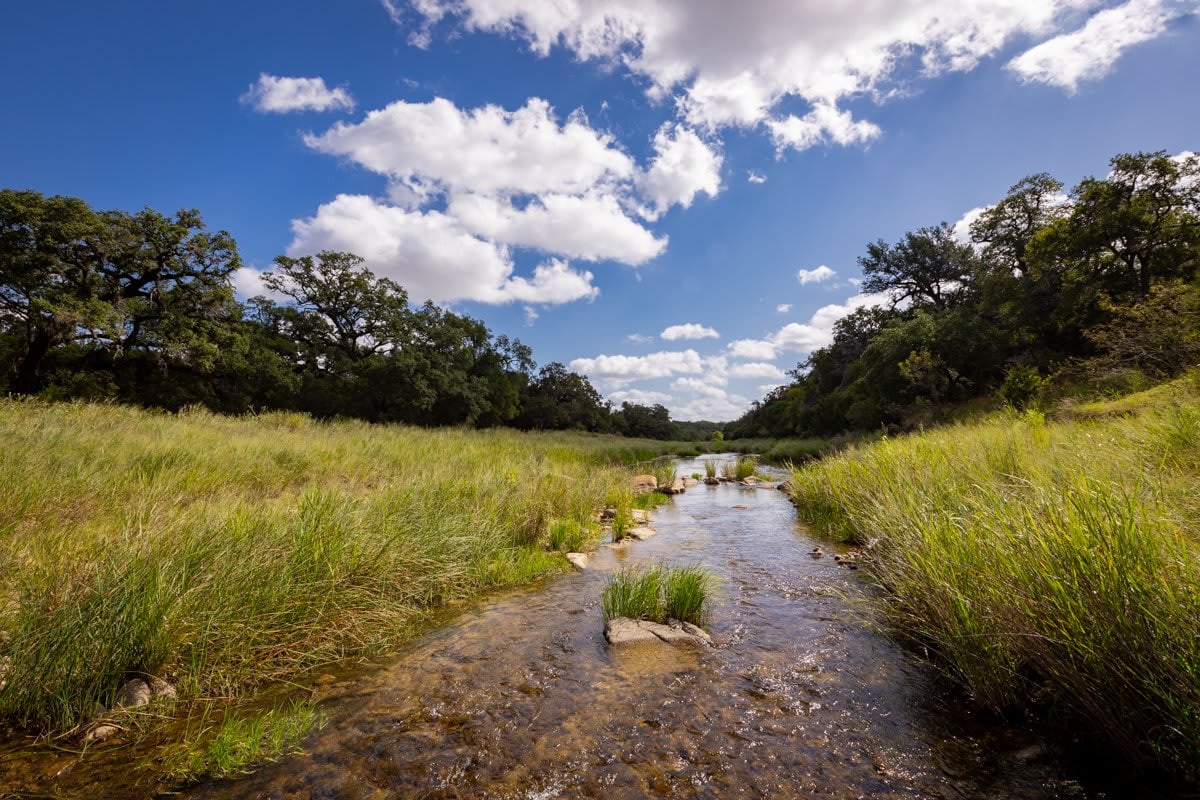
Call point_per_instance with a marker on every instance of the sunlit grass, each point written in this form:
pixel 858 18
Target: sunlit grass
pixel 1056 558
pixel 221 553
pixel 241 743
pixel 659 593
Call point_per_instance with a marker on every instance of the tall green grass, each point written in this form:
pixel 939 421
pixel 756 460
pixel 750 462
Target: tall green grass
pixel 220 553
pixel 1054 560
pixel 659 593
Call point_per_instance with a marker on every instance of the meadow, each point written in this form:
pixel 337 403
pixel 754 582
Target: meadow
pixel 223 553
pixel 1048 560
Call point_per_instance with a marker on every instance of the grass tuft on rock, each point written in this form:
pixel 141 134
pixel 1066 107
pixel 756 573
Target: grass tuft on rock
pixel 659 593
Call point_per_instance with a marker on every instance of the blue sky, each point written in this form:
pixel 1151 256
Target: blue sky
pixel 667 195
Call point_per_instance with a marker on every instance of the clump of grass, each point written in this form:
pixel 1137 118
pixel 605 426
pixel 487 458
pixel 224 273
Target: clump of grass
pixel 685 593
pixel 664 471
pixel 635 593
pixel 568 535
pixel 659 593
pixel 710 468
pixel 729 469
pixel 241 743
pixel 1048 559
pixel 745 467
pixel 650 500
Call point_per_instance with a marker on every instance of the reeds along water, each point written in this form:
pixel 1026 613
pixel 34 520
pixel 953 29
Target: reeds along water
pixel 221 552
pixel 1055 560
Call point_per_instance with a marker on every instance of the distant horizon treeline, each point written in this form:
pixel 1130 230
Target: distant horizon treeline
pixel 140 308
pixel 1099 286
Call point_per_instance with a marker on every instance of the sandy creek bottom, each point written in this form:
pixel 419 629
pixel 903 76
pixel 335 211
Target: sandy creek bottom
pixel 799 698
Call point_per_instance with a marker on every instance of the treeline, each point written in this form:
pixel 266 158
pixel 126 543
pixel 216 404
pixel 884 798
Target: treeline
pixel 140 308
pixel 1053 288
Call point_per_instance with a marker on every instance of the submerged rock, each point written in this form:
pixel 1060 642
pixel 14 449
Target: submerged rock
pixel 641 533
pixel 712 481
pixel 622 630
pixel 105 730
pixel 580 560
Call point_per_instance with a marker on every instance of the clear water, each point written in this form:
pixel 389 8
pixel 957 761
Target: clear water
pixel 799 697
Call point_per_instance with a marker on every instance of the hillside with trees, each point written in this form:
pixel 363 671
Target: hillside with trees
pixel 1098 286
pixel 140 308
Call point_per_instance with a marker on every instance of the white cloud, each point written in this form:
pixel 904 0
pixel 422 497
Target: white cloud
pixel 683 167
pixel 273 94
pixel 553 282
pixel 714 408
pixel 737 63
pixel 783 308
pixel 491 179
pixel 697 386
pixel 619 369
pixel 752 348
pixel 1089 53
pixel 437 147
pixel 247 282
pixel 590 227
pixel 756 177
pixel 962 228
pixel 822 125
pixel 757 369
pixel 801 337
pixel 640 397
pixel 639 338
pixel 690 330
pixel 431 255
pixel 818 275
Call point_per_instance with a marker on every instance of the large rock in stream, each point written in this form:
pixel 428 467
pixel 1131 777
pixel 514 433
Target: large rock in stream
pixel 623 631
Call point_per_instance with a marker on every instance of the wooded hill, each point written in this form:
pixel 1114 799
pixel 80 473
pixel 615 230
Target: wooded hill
pixel 1098 285
pixel 140 308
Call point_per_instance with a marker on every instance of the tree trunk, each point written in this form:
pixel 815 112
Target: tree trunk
pixel 26 380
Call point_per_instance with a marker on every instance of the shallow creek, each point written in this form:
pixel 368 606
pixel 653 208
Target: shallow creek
pixel 521 697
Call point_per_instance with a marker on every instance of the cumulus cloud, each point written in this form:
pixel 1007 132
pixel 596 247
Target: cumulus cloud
pixel 962 228
pixel 490 179
pixel 432 255
pixel 438 147
pixel 783 308
pixel 756 177
pixel 818 275
pixel 822 125
pixel 591 227
pixel 273 94
pixel 804 337
pixel 618 370
pixel 1089 53
pixel 757 369
pixel 683 167
pixel 640 397
pixel 752 348
pixel 690 330
pixel 742 64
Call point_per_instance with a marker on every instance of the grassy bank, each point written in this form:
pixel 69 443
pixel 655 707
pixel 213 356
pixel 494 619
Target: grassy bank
pixel 1044 562
pixel 220 553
